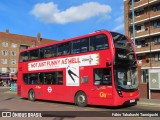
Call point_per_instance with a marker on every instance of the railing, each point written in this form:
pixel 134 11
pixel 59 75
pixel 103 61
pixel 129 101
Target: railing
pixel 155 46
pixel 145 64
pixel 141 17
pixel 146 32
pixel 140 48
pixel 154 14
pixel 141 33
pixel 148 64
pixel 142 3
pixel 155 64
pixel 154 30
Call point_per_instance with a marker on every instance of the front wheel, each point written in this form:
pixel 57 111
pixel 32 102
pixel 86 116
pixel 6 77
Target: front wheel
pixel 81 99
pixel 31 95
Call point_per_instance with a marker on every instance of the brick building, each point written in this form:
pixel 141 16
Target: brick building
pixel 10 46
pixel 147 43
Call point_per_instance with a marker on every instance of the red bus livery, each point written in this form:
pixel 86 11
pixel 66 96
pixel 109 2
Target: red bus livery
pixel 97 69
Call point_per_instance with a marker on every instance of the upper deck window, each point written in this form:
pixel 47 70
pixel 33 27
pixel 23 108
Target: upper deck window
pixel 99 42
pixel 24 56
pixel 64 49
pixel 120 41
pixel 34 54
pixel 81 45
pixel 92 43
pixel 49 51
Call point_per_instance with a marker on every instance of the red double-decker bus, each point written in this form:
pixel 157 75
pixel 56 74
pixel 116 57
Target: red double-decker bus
pixel 97 69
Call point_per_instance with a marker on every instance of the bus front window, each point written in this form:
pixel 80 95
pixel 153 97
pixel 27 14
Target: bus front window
pixel 126 77
pixel 125 65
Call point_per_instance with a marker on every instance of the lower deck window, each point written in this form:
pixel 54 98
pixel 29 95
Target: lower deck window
pixel 102 76
pixel 49 78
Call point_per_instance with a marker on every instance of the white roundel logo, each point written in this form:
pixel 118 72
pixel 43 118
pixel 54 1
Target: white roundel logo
pixel 154 80
pixel 49 89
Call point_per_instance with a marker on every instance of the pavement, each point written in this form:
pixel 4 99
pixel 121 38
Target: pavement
pixel 142 101
pixel 151 102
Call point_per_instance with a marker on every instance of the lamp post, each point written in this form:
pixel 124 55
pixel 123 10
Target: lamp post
pixel 133 22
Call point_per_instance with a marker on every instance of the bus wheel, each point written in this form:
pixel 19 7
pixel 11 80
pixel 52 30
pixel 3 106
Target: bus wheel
pixel 81 99
pixel 31 95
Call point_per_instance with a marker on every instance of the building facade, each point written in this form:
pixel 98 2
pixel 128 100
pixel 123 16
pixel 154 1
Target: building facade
pixel 10 46
pixel 147 43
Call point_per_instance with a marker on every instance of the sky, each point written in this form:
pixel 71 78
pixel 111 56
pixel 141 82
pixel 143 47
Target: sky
pixel 61 19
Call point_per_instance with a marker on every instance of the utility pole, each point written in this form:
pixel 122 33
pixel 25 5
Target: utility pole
pixel 133 22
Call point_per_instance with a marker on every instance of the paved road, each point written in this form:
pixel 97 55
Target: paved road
pixel 10 102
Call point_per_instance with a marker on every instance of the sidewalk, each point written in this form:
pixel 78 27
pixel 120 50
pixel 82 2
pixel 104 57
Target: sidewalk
pixel 6 89
pixel 154 102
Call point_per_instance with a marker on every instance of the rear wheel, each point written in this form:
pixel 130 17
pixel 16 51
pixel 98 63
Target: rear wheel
pixel 81 99
pixel 31 95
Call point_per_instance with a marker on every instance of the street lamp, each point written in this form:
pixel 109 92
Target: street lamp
pixel 133 22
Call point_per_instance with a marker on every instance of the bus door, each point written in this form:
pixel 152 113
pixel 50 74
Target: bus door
pixel 102 87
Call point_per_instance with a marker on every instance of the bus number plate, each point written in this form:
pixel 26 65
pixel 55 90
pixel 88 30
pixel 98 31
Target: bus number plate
pixel 132 101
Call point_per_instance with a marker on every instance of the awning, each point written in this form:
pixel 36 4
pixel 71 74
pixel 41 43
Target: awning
pixel 5 78
pixel 14 77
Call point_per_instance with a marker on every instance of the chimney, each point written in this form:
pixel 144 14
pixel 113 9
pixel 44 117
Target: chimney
pixel 7 30
pixel 38 37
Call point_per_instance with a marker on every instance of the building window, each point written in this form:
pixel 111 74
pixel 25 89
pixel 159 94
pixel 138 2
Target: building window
pixel 157 40
pixel 157 57
pixel 136 0
pixel 13 61
pixel 14 45
pixel 139 12
pixel 4 61
pixel 140 28
pixel 130 2
pixel 12 70
pixel 144 75
pixel 156 8
pixel 4 44
pixel 13 53
pixel 23 47
pixel 4 70
pixel 141 43
pixel 156 24
pixel 4 52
